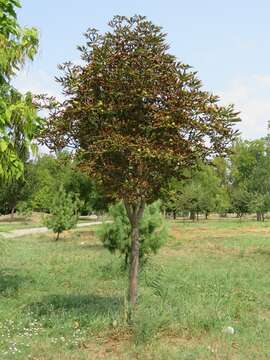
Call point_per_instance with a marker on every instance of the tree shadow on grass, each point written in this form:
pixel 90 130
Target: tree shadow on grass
pixel 90 305
pixel 10 282
pixel 13 220
pixel 93 247
pixel 262 251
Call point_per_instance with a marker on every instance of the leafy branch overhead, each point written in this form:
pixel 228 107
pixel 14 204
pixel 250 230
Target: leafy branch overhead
pixel 18 113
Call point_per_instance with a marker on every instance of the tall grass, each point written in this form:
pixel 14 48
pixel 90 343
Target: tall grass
pixel 68 300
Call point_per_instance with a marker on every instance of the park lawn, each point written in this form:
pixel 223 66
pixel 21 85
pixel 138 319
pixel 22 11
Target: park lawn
pixel 15 225
pixel 8 225
pixel 66 300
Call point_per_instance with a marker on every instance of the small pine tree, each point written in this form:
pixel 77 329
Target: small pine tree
pixel 63 213
pixel 116 236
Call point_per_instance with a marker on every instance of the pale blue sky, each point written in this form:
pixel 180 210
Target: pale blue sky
pixel 227 42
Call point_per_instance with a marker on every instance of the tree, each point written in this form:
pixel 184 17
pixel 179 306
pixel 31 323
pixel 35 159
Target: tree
pixel 240 199
pixel 116 236
pixel 48 173
pixel 171 196
pixel 13 189
pixel 260 204
pixel 37 187
pixel 18 113
pixel 42 178
pixel 223 203
pixel 250 180
pixel 206 184
pixel 190 198
pixel 201 191
pixel 75 181
pixel 64 213
pixel 11 192
pixel 137 117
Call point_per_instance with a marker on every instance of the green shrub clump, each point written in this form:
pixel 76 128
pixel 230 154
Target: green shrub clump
pixel 116 236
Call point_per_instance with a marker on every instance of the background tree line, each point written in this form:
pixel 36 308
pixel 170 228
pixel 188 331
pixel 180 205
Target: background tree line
pixel 239 184
pixel 43 178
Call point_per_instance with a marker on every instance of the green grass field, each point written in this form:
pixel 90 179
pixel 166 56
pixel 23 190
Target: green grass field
pixel 7 223
pixel 66 300
pixel 9 226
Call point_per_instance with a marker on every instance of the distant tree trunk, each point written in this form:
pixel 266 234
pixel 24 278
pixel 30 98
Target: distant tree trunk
pixel 197 216
pixel 192 215
pixel 206 215
pixel 259 216
pixel 57 236
pixel 12 212
pixel 174 214
pixel 135 212
pixel 263 217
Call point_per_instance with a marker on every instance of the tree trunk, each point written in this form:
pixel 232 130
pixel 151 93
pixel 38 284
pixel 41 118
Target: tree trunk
pixel 12 212
pixel 259 216
pixel 192 216
pixel 57 236
pixel 134 264
pixel 174 214
pixel 134 212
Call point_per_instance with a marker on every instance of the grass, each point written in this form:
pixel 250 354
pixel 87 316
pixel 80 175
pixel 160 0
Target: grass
pixel 66 300
pixel 9 224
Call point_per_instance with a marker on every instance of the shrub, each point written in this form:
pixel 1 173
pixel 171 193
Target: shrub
pixel 25 209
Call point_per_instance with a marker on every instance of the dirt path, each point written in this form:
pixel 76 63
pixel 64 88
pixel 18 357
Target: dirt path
pixel 39 230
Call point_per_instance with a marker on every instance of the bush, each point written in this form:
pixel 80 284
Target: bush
pixel 24 209
pixel 63 213
pixel 115 236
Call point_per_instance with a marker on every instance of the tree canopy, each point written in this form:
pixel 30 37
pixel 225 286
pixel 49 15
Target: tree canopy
pixel 41 181
pixel 136 114
pixel 250 181
pixel 18 115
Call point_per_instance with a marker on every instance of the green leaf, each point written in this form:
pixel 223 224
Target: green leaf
pixel 3 145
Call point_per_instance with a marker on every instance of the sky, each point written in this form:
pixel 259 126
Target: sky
pixel 226 42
